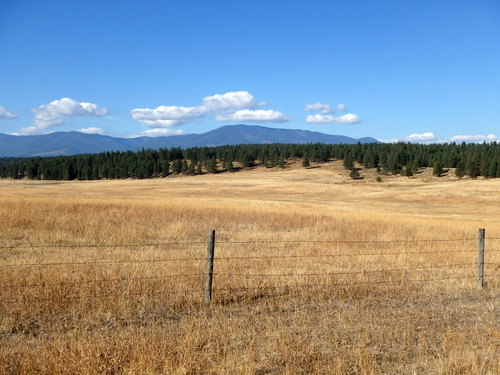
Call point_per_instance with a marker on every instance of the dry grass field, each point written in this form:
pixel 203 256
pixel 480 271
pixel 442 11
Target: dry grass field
pixel 314 274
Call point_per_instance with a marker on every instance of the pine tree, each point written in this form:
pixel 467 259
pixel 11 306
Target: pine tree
pixel 281 162
pixel 437 169
pixel 354 174
pixel 230 166
pixel 369 159
pixel 473 165
pixel 485 167
pixel 305 161
pixel 459 171
pixel 190 170
pixel 184 168
pixel 348 162
pixel 493 171
pixel 407 171
pixel 165 170
pixel 177 166
pixel 212 165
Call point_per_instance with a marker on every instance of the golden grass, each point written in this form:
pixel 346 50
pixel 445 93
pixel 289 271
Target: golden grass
pixel 314 312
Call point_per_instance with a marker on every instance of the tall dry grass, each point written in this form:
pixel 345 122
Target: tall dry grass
pixel 96 308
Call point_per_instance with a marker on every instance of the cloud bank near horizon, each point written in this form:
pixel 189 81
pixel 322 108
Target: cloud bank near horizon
pixel 4 114
pixel 233 106
pixel 92 130
pixel 325 114
pixel 53 114
pixel 230 106
pixel 429 137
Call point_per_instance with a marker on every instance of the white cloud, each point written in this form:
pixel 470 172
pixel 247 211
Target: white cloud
pixel 427 136
pixel 324 109
pixel 4 114
pixel 166 116
pixel 92 130
pixel 229 101
pixel 474 138
pixel 30 130
pixel 160 132
pixel 325 114
pixel 49 115
pixel 52 114
pixel 320 119
pixel 231 106
pixel 259 115
pixel 348 118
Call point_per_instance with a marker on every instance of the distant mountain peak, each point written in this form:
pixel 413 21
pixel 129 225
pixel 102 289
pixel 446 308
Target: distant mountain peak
pixel 69 143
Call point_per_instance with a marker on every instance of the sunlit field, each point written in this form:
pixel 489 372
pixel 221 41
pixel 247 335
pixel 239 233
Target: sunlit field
pixel 314 273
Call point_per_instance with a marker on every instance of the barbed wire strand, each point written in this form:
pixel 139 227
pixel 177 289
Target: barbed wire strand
pixel 340 255
pixel 229 289
pixel 348 241
pixel 100 262
pixel 239 242
pixel 121 279
pixel 285 256
pixel 99 246
pixel 346 272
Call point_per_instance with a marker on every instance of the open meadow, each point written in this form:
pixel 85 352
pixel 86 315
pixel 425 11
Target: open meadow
pixel 314 273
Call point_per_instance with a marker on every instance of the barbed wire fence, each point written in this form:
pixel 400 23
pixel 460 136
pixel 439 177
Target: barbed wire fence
pixel 207 279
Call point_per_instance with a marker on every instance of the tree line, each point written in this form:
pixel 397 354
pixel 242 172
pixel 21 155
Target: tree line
pixel 471 160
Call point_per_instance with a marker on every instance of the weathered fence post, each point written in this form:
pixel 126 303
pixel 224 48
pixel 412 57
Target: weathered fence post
pixel 209 268
pixel 480 259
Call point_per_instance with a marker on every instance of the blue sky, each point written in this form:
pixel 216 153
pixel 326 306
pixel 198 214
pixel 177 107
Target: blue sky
pixel 411 70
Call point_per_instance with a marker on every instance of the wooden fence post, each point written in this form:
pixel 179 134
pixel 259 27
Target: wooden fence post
pixel 209 268
pixel 480 259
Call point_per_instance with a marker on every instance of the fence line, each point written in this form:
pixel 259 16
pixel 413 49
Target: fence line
pixel 347 241
pixel 210 258
pixel 237 258
pixel 100 262
pixel 240 289
pixel 160 277
pixel 344 273
pixel 258 242
pixel 344 255
pixel 97 246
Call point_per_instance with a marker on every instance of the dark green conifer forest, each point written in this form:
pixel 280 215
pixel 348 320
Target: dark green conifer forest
pixel 471 160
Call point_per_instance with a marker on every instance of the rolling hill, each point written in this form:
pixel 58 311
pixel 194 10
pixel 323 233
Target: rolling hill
pixel 70 143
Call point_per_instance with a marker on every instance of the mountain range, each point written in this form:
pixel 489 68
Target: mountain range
pixel 70 143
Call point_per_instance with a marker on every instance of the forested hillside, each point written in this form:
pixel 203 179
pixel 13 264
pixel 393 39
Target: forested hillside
pixel 74 143
pixel 472 160
pixel 9 160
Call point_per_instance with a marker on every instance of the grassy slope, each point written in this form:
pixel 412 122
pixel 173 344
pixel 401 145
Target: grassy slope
pixel 380 324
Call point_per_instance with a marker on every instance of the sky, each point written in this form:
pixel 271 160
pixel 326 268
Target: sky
pixel 420 71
